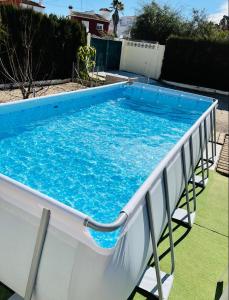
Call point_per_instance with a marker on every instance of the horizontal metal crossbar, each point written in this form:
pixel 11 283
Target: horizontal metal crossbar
pixel 107 227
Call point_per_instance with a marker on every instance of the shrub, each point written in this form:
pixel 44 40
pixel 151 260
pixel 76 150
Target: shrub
pixel 197 62
pixel 54 40
pixel 86 61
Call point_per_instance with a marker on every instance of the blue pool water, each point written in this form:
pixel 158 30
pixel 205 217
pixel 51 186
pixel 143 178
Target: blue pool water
pixel 94 156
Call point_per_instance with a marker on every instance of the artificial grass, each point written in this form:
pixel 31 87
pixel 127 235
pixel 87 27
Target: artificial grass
pixel 201 254
pixel 212 204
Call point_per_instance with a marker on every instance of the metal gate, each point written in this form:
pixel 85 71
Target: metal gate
pixel 108 54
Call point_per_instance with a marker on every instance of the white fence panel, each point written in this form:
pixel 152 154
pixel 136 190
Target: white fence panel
pixel 142 58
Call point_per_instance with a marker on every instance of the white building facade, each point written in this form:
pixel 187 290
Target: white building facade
pixel 36 6
pixel 124 25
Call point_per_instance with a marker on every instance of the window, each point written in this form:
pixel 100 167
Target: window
pixel 99 26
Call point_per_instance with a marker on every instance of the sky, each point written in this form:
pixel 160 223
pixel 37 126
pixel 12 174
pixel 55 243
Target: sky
pixel 215 9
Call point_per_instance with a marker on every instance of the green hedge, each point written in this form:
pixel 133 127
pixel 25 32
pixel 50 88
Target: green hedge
pixel 197 62
pixel 54 40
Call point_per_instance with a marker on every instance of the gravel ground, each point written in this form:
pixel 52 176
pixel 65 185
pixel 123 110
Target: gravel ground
pixel 222 115
pixel 13 95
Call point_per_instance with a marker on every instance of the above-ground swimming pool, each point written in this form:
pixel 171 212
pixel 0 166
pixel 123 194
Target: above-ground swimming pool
pixel 93 155
pixel 91 151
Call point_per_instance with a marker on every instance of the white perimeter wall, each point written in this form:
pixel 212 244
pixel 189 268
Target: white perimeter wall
pixel 142 58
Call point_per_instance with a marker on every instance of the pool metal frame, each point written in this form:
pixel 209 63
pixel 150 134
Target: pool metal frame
pixel 161 283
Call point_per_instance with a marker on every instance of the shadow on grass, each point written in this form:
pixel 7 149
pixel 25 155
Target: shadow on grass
pixel 166 252
pixel 219 290
pixel 5 292
pixel 143 293
pixel 199 191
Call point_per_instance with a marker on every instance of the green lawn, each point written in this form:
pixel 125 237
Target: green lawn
pixel 201 253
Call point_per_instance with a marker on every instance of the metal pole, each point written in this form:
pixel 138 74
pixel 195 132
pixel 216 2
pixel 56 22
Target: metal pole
pixel 206 145
pixel 214 118
pixel 120 221
pixel 165 179
pixel 212 135
pixel 202 153
pixel 186 185
pixel 154 244
pixel 42 231
pixel 193 172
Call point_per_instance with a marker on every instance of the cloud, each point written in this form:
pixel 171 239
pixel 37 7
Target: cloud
pixel 217 16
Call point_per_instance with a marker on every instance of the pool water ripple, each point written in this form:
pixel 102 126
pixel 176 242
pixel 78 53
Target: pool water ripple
pixel 93 159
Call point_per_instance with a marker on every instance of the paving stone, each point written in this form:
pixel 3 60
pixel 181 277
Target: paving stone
pixel 223 163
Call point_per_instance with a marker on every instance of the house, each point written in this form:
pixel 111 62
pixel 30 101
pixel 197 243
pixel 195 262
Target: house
pixel 124 25
pixel 37 6
pixel 95 23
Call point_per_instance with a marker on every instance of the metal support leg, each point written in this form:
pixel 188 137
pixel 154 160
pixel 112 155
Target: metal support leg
pixel 181 215
pixel 37 254
pixel 212 137
pixel 206 145
pixel 202 153
pixel 161 286
pixel 154 243
pixel 201 180
pixel 193 173
pixel 214 120
pixel 165 179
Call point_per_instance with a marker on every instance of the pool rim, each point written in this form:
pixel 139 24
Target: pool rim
pixel 135 201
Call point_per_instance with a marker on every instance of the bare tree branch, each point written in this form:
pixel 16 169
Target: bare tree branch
pixel 21 69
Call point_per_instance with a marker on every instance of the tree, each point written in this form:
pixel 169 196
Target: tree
pixel 201 28
pixel 156 23
pixel 116 6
